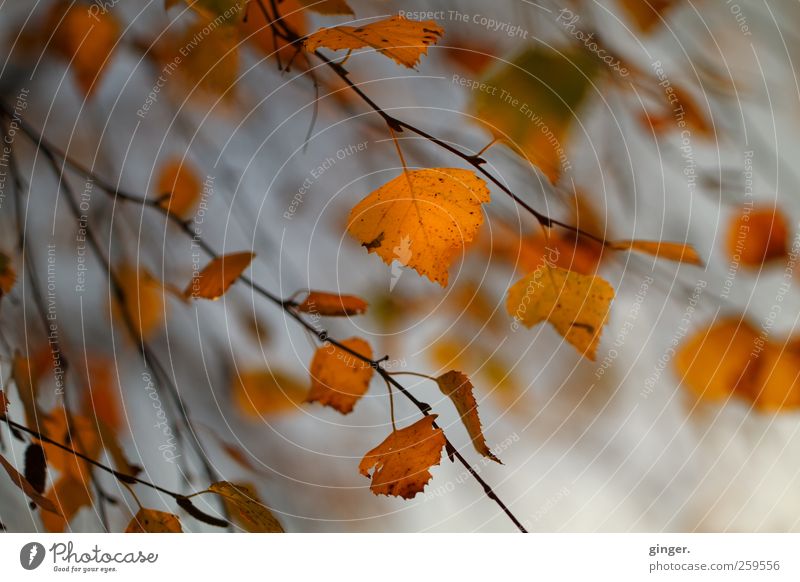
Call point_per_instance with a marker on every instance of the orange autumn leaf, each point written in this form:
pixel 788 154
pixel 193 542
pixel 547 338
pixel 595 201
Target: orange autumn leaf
pixel 259 391
pixel 69 494
pixel 20 481
pixel 402 40
pixel 647 14
pixel 246 508
pixel 85 39
pixel 330 304
pixel 682 253
pixel 7 274
pixel 328 7
pixel 776 384
pixel 179 188
pixel 80 435
pixel 400 465
pixel 144 304
pixel 422 219
pixel 217 277
pixel 576 305
pixel 757 236
pixel 256 29
pixel 101 399
pixel 153 521
pixel 338 378
pixel 458 388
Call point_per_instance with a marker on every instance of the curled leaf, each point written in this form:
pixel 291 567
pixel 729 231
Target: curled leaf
pixel 330 304
pixel 153 521
pixel 401 464
pixel 402 40
pixel 681 253
pixel 247 508
pixel 458 388
pixel 338 378
pixel 217 277
pixel 421 219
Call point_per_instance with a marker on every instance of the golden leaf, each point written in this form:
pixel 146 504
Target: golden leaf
pixel 575 305
pixel 401 464
pixel 458 388
pixel 217 277
pixel 330 304
pixel 21 482
pixel 152 521
pixel 179 188
pixel 338 378
pixel 421 219
pixel 402 40
pixel 682 253
pixel 258 392
pixel 247 508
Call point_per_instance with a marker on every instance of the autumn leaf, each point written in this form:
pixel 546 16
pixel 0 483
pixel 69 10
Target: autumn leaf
pixel 3 404
pixel 217 277
pixel 69 494
pixel 459 389
pixel 179 188
pixel 575 305
pixel 402 40
pixel 27 372
pixel 85 39
pixel 247 508
pixel 338 378
pixel 647 14
pixel 401 464
pixel 534 101
pixel 776 384
pixel 422 218
pixel 152 521
pixel 328 7
pixel 757 236
pixel 7 274
pixel 20 481
pixel 76 432
pixel 258 392
pixel 101 399
pixel 682 253
pixel 143 300
pixel 330 304
pixel 257 30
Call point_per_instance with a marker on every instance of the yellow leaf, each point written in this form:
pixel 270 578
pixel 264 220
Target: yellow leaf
pixel 646 14
pixel 249 511
pixel 84 38
pixel 69 494
pixel 532 103
pixel 330 304
pixel 404 41
pixel 458 388
pixel 401 464
pixel 152 521
pixel 21 482
pixel 679 252
pixel 7 274
pixel 258 392
pixel 576 305
pixel 179 188
pixel 338 378
pixel 217 277
pixel 421 219
pixel 328 7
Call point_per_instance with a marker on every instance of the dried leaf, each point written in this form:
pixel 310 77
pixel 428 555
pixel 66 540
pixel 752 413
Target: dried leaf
pixel 247 508
pixel 80 435
pixel 258 392
pixel 576 305
pixel 757 236
pixel 421 219
pixel 338 378
pixel 217 277
pixel 85 39
pixel 152 521
pixel 682 253
pixel 401 464
pixel 69 494
pixel 330 304
pixel 402 40
pixel 458 388
pixel 28 488
pixel 257 30
pixel 180 188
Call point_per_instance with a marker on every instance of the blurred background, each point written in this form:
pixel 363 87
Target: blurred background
pixel 638 440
